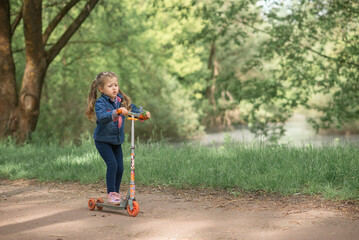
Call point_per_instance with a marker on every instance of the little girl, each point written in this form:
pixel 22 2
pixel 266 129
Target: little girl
pixel 109 132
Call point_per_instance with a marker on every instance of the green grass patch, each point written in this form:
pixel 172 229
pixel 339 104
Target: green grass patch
pixel 331 171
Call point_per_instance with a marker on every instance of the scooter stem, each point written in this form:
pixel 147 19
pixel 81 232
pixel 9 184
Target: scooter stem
pixel 132 182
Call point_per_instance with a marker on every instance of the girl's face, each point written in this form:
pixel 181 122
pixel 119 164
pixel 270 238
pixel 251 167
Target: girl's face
pixel 110 88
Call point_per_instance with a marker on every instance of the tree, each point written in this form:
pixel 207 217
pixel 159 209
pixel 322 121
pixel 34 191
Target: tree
pixel 19 109
pixel 222 37
pixel 316 43
pixel 132 39
pixel 225 37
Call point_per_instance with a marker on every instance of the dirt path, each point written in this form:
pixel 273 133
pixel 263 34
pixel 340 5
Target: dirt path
pixel 32 210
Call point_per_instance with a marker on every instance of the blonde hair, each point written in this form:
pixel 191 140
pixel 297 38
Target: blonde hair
pixel 100 81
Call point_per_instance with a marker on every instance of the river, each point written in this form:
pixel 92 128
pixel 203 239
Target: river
pixel 298 133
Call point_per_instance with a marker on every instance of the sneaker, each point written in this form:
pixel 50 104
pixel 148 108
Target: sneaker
pixel 118 195
pixel 113 199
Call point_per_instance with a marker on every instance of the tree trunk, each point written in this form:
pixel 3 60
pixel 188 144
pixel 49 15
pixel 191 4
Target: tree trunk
pixel 19 113
pixel 8 92
pixel 213 120
pixel 27 111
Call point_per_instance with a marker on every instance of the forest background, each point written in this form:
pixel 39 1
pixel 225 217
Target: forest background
pixel 199 65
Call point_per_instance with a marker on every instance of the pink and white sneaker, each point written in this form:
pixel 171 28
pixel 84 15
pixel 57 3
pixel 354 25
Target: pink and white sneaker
pixel 113 199
pixel 118 195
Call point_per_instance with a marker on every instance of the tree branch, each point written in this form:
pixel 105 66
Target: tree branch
pixel 16 21
pixel 107 44
pixel 54 4
pixel 306 47
pixel 51 54
pixel 112 44
pixel 31 15
pixel 57 19
pixel 331 58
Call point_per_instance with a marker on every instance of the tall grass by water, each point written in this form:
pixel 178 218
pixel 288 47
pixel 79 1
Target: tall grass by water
pixel 331 171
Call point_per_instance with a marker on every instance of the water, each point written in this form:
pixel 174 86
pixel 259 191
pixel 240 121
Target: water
pixel 298 133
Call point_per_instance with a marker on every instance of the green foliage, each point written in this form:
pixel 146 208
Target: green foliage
pixel 134 45
pixel 49 162
pixel 331 171
pixel 270 61
pixel 316 43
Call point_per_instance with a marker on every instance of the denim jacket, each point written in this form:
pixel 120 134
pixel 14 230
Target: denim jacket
pixel 107 129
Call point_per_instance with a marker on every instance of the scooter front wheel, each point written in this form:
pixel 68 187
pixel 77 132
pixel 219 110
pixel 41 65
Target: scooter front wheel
pixel 135 211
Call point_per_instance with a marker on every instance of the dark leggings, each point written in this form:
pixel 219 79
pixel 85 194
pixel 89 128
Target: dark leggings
pixel 113 157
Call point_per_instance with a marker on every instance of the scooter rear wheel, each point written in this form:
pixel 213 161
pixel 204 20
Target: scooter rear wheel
pixel 135 211
pixel 99 200
pixel 92 204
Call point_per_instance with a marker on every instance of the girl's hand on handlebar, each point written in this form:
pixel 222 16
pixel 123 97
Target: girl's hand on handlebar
pixel 147 116
pixel 122 111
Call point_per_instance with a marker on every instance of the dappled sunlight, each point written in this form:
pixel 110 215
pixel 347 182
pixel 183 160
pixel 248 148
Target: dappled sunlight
pixel 253 132
pixel 175 228
pixel 60 211
pixel 85 158
pixel 44 218
pixel 311 224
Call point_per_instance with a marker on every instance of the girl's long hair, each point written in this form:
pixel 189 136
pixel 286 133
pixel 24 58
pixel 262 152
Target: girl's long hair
pixel 92 97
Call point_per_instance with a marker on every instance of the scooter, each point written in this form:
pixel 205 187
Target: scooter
pixel 129 203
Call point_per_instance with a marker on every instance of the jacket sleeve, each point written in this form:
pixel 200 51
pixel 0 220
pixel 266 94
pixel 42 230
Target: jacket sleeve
pixel 135 109
pixel 103 116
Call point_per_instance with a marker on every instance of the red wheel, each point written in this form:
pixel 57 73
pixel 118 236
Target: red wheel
pixel 92 204
pixel 135 211
pixel 99 200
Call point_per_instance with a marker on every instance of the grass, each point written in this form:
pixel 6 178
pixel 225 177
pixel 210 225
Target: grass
pixel 331 171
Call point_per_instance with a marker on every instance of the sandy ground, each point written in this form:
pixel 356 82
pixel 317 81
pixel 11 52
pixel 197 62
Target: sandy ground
pixel 33 210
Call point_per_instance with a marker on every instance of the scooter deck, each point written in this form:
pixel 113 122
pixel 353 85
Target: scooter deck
pixel 108 205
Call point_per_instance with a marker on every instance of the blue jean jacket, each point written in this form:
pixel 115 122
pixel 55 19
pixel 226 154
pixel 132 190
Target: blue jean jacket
pixel 107 129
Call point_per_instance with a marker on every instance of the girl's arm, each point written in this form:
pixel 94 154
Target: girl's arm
pixel 135 109
pixel 103 116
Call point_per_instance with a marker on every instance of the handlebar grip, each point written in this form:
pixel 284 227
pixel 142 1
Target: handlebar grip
pixel 143 117
pixel 118 111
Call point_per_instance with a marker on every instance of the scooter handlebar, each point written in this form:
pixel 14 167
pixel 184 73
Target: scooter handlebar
pixel 138 115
